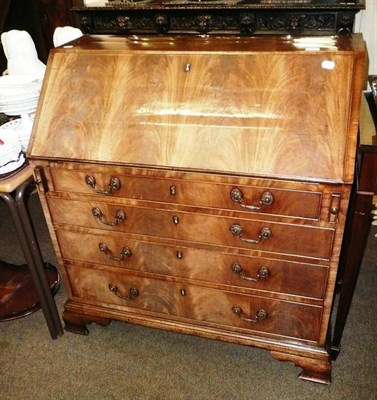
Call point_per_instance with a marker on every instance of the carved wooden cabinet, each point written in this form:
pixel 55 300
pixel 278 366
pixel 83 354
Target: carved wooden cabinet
pixel 241 17
pixel 201 185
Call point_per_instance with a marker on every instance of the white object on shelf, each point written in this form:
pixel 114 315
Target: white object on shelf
pixel 21 54
pixel 65 34
pixel 11 156
pixel 19 128
pixel 19 94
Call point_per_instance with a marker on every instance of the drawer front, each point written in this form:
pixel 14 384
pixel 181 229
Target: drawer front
pixel 118 250
pixel 199 228
pixel 224 309
pixel 236 196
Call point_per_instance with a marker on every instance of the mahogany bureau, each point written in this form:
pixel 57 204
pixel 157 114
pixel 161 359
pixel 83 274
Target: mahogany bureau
pixel 201 185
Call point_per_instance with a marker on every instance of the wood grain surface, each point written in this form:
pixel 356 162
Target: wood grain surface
pixel 179 125
pixel 254 112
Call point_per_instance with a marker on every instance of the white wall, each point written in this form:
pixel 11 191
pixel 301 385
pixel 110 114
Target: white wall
pixel 366 23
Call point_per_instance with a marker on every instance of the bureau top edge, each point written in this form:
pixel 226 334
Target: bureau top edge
pixel 214 44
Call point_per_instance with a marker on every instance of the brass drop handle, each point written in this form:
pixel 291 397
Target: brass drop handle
pixel 260 315
pixel 132 293
pixel 264 234
pixel 119 217
pixel 125 253
pixel 266 200
pixel 114 184
pixel 262 273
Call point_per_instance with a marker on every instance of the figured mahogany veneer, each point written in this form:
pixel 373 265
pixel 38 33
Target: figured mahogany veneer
pixel 179 261
pixel 221 104
pixel 299 200
pixel 195 227
pixel 201 185
pixel 193 302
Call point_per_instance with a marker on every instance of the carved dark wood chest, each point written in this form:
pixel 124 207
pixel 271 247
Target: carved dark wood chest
pixel 250 17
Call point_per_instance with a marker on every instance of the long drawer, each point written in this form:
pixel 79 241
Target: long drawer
pixel 294 239
pixel 239 194
pixel 154 297
pixel 233 271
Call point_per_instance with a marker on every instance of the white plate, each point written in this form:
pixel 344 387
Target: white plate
pixel 17 104
pixel 18 81
pixel 20 111
pixel 11 125
pixel 18 129
pixel 12 165
pixel 9 138
pixel 8 100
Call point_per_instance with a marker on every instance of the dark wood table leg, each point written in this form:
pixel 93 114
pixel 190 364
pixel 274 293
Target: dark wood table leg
pixel 21 198
pixel 351 259
pixel 16 204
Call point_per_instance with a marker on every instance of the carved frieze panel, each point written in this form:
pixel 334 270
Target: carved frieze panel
pixel 247 17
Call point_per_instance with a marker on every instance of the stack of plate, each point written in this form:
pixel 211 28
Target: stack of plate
pixel 20 128
pixel 19 94
pixel 11 156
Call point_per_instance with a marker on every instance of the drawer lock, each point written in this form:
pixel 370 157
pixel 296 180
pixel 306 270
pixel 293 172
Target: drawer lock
pixel 263 272
pixel 260 315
